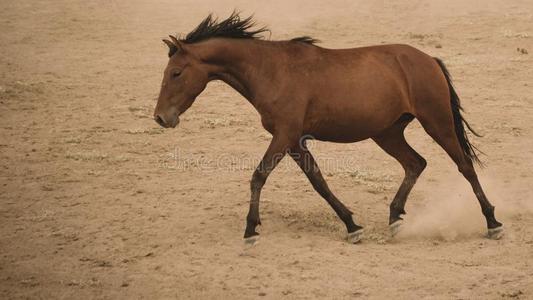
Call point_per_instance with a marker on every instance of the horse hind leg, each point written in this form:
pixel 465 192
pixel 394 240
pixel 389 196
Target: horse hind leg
pixel 393 142
pixel 442 130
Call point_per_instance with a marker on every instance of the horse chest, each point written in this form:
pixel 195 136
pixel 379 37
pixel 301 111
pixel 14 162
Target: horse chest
pixel 268 124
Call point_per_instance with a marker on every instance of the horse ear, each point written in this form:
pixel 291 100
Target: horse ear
pixel 172 48
pixel 178 43
pixel 174 45
pixel 174 40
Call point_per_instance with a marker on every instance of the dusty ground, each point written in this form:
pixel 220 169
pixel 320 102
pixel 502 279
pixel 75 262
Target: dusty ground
pixel 98 202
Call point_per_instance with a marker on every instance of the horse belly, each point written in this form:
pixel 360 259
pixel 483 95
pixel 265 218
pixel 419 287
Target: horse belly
pixel 357 100
pixel 352 121
pixel 343 132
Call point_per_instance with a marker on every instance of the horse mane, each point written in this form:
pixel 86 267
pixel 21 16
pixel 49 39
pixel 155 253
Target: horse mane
pixel 233 27
pixel 305 39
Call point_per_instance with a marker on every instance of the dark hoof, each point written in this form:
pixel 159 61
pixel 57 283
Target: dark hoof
pixel 495 233
pixel 355 237
pixel 395 227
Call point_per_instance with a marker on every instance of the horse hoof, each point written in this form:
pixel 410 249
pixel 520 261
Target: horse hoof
pixel 495 233
pixel 355 237
pixel 251 241
pixel 395 227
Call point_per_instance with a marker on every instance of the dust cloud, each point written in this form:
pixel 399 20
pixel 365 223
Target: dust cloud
pixel 452 211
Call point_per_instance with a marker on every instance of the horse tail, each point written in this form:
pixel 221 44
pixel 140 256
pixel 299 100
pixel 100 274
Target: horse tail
pixel 459 121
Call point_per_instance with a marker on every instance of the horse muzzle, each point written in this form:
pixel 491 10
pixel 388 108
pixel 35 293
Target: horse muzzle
pixel 167 122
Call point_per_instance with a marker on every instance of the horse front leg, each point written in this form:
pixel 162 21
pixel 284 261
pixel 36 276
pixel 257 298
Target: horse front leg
pixel 274 154
pixel 307 163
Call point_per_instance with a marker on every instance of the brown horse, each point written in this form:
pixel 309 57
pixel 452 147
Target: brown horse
pixel 345 95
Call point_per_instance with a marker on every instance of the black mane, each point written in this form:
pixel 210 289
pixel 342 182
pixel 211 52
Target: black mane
pixel 233 27
pixel 305 39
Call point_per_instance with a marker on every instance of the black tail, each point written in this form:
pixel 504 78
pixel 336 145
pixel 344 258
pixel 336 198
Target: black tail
pixel 468 149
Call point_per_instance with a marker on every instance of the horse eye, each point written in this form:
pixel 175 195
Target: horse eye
pixel 176 74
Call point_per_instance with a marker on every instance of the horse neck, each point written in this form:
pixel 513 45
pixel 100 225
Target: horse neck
pixel 239 63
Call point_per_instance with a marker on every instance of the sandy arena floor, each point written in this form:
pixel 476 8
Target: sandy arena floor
pixel 97 201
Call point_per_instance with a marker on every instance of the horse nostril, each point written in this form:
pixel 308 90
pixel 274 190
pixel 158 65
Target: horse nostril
pixel 160 120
